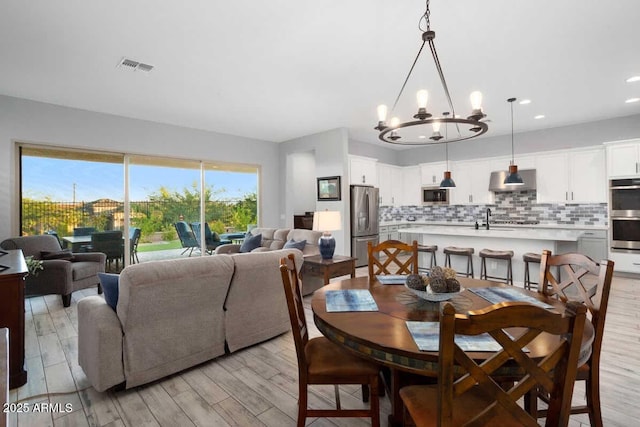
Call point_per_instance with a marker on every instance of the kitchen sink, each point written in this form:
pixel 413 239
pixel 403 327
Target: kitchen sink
pixel 497 228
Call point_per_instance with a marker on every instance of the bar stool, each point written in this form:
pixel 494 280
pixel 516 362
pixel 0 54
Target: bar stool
pixel 432 249
pixel 527 258
pixel 466 252
pixel 504 255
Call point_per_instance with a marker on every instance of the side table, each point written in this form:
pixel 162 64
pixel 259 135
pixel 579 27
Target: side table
pixel 316 271
pixel 12 311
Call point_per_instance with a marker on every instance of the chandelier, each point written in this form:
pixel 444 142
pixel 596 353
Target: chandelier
pixel 468 128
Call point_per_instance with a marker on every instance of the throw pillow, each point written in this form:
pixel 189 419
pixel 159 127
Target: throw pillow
pixel 295 245
pixel 251 242
pixel 109 283
pixel 64 254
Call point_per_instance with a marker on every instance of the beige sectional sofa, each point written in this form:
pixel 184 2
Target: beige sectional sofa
pixel 175 314
pixel 275 238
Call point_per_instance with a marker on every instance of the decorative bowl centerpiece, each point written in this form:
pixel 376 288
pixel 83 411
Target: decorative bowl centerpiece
pixel 441 285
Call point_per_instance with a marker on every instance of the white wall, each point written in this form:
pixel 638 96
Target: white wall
pixel 330 149
pixel 29 121
pixel 303 188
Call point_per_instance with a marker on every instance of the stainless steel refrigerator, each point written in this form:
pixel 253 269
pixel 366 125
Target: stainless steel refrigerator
pixel 364 221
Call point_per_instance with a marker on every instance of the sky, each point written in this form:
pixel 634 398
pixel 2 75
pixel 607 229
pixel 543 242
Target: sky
pixel 59 179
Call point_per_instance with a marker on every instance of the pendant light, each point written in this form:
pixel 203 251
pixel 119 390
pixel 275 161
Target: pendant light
pixel 514 177
pixel 447 182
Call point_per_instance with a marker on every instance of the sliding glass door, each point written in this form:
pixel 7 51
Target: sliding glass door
pixel 158 203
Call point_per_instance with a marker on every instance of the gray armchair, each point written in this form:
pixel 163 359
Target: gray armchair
pixel 60 276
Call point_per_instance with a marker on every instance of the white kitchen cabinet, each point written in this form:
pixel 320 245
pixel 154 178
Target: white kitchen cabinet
pixel 575 176
pixel 390 182
pixel 594 244
pixel 623 159
pixel 432 173
pixel 625 262
pixel 472 182
pixel 363 171
pixel 411 186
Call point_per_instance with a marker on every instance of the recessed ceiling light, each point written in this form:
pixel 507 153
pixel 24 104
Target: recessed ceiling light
pixel 539 116
pixel 631 100
pixel 525 102
pixel 633 79
pixel 422 137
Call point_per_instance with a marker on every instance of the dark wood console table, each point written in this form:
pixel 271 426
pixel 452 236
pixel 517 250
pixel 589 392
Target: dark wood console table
pixel 12 311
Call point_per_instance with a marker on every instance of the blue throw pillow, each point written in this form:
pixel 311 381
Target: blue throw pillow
pixel 292 244
pixel 251 243
pixel 109 283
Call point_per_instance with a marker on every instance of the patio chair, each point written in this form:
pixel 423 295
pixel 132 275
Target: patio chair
pixel 134 238
pixel 111 244
pixel 211 239
pixel 186 236
pixel 82 231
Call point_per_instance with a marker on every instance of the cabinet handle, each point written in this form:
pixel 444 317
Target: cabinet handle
pixel 572 195
pixel 363 179
pixel 566 195
pixel 433 178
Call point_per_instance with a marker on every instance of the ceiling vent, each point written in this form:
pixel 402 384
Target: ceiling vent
pixel 130 64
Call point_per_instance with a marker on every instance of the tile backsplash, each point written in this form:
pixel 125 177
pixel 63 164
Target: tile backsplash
pixel 510 206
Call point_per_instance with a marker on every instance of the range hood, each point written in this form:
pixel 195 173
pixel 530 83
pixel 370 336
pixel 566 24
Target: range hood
pixel 496 183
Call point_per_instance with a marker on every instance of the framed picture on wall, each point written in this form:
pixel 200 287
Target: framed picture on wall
pixel 329 188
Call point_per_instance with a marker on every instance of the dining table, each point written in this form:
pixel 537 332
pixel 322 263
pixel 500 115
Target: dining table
pixel 383 336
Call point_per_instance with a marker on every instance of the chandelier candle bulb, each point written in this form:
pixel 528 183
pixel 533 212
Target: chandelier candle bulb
pixel 382 113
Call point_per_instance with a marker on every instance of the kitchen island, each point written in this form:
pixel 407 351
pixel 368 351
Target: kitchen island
pixel 518 240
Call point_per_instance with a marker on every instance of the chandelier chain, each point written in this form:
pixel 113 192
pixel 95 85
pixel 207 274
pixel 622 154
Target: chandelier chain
pixel 425 18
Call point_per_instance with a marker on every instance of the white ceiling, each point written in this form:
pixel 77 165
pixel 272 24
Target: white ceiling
pixel 281 69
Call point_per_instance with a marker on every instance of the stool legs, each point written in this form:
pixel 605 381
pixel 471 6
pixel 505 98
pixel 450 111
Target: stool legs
pixel 485 276
pixel 469 272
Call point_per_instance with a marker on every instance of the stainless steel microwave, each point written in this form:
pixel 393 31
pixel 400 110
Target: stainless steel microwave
pixel 434 196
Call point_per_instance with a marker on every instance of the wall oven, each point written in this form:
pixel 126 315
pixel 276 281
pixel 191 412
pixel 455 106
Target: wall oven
pixel 624 214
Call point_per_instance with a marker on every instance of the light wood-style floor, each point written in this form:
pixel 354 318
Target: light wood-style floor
pixel 258 386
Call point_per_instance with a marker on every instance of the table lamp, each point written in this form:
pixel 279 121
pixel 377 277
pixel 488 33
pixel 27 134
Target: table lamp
pixel 327 221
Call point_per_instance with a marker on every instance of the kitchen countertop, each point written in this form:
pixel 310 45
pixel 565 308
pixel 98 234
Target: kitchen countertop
pixel 505 232
pixel 405 223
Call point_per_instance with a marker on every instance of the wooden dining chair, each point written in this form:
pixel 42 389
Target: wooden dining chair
pixel 321 361
pixel 578 278
pixel 470 392
pixel 392 257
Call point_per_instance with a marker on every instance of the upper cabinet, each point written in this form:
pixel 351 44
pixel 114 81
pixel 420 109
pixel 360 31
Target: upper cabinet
pixel 623 159
pixel 432 173
pixel 390 180
pixel 411 186
pixel 472 182
pixel 576 176
pixel 363 171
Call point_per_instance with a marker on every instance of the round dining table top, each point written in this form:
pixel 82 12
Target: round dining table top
pixel 384 337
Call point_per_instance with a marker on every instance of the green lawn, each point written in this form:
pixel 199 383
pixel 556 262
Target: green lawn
pixel 159 246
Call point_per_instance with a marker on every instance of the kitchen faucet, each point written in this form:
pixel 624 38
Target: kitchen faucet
pixel 488 215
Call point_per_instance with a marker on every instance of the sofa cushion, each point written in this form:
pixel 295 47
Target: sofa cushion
pixel 292 244
pixel 109 283
pixel 250 243
pixel 64 254
pixel 312 237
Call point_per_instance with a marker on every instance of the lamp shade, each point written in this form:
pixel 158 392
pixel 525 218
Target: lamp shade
pixel 327 221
